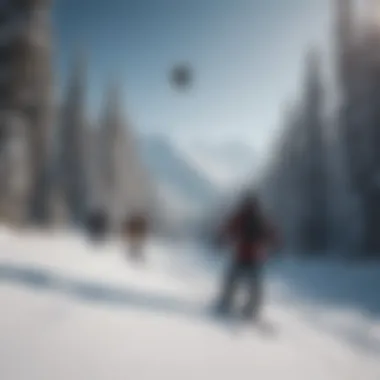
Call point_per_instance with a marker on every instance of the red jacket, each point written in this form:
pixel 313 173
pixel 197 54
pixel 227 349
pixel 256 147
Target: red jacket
pixel 249 251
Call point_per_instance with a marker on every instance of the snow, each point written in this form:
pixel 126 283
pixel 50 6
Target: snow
pixel 342 296
pixel 71 310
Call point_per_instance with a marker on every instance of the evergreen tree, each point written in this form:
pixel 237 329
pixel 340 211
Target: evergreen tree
pixel 315 186
pixel 111 136
pixel 26 91
pixel 126 186
pixel 72 144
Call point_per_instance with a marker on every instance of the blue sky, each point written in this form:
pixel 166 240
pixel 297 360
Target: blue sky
pixel 247 57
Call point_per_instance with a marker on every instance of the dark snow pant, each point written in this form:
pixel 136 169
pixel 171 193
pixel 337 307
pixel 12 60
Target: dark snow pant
pixel 251 275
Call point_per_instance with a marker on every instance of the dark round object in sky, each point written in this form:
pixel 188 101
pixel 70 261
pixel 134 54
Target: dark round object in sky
pixel 181 76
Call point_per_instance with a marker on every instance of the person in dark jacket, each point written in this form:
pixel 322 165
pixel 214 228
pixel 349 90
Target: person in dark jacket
pixel 97 224
pixel 250 234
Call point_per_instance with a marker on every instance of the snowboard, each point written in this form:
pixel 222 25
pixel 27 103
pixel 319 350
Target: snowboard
pixel 238 322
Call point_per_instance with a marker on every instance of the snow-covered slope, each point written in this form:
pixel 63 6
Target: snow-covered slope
pixel 341 296
pixel 73 311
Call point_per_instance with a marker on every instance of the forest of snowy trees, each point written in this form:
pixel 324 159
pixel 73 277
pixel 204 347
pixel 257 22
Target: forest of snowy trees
pixel 55 165
pixel 322 181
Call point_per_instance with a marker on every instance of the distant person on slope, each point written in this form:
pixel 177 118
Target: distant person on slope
pixel 97 224
pixel 250 234
pixel 135 230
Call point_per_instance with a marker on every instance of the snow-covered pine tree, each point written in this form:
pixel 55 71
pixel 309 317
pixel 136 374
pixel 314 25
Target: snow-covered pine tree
pixel 72 143
pixel 26 91
pixel 109 137
pixel 315 189
pixel 26 88
pixel 125 183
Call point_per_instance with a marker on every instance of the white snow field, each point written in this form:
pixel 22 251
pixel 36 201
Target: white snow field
pixel 70 310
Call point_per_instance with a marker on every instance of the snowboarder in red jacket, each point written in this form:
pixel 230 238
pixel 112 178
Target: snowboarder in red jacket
pixel 251 235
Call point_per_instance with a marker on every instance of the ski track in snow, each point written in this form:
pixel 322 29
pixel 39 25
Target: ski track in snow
pixel 71 310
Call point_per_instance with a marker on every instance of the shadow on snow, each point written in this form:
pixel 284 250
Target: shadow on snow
pixel 90 291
